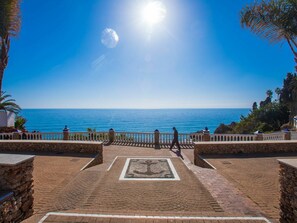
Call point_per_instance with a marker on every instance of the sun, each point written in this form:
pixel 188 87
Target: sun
pixel 154 13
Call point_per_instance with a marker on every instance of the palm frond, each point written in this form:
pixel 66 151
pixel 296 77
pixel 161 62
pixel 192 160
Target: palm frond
pixel 8 104
pixel 265 20
pixel 10 19
pixel 275 20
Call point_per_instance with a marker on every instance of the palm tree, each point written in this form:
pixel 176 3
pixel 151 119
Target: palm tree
pixel 8 104
pixel 10 22
pixel 278 91
pixel 20 123
pixel 269 93
pixel 274 20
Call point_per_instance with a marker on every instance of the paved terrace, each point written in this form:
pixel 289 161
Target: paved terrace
pixel 64 193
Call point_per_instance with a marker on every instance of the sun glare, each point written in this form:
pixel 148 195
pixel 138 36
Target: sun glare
pixel 154 12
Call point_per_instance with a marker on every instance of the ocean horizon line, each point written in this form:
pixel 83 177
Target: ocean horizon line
pixel 131 108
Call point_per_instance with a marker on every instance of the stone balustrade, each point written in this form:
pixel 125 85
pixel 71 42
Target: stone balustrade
pixel 16 186
pixel 288 189
pixel 155 138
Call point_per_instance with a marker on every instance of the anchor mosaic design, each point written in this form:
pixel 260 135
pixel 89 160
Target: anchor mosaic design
pixel 149 168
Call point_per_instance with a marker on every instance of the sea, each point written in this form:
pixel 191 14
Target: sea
pixel 129 120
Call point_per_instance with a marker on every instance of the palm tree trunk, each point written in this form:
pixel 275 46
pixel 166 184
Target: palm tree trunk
pixel 1 78
pixel 293 41
pixel 5 44
pixel 293 50
pixel 291 47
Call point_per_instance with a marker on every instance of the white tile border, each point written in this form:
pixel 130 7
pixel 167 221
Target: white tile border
pixel 154 217
pixel 122 176
pixel 112 163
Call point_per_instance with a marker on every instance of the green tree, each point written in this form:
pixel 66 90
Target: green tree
pixel 8 104
pixel 20 123
pixel 288 95
pixel 278 92
pixel 10 22
pixel 274 20
pixel 255 106
pixel 267 101
pixel 266 119
pixel 269 93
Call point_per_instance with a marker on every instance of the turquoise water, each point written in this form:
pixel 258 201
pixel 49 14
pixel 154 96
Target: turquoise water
pixel 138 120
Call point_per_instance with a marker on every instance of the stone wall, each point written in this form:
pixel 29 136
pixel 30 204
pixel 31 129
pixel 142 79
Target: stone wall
pixel 288 188
pixel 50 146
pixel 245 147
pixel 200 161
pixel 8 207
pixel 17 180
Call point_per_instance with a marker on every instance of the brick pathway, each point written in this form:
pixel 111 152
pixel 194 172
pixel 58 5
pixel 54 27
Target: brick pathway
pixel 51 174
pixel 98 190
pixel 185 196
pixel 257 176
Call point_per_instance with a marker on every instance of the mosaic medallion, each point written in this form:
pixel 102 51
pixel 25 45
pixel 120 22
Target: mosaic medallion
pixel 149 169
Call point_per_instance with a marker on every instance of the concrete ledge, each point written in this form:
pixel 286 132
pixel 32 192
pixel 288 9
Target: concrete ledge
pixel 289 162
pixel 13 159
pixel 50 146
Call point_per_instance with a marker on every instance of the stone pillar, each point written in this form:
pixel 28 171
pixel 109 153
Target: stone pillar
pixel 259 136
pixel 157 138
pixel 17 180
pixel 16 135
pixel 111 135
pixel 288 189
pixel 66 133
pixel 287 135
pixel 206 135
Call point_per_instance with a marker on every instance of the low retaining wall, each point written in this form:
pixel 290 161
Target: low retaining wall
pixel 50 146
pixel 288 188
pixel 245 147
pixel 200 161
pixel 8 207
pixel 16 184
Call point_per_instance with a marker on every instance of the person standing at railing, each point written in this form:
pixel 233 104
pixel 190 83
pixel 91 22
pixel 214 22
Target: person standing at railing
pixel 175 140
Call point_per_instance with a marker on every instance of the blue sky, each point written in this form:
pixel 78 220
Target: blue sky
pixel 198 56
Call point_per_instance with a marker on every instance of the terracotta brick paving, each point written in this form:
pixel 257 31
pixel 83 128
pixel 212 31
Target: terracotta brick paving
pixel 186 195
pixel 257 176
pixel 231 199
pixel 51 173
pixel 96 190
